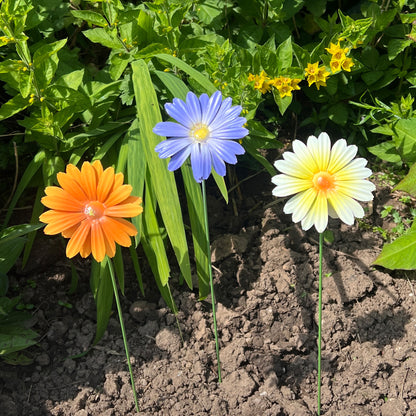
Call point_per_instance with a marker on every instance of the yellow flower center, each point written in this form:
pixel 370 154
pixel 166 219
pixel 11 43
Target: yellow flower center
pixel 200 132
pixel 94 210
pixel 323 181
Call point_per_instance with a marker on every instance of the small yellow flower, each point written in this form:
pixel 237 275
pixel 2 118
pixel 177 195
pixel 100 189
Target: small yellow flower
pixel 335 65
pixel 261 82
pixel 347 64
pixel 294 83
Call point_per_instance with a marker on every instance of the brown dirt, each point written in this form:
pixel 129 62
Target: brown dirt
pixel 266 287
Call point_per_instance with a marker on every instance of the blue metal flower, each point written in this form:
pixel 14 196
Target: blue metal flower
pixel 205 131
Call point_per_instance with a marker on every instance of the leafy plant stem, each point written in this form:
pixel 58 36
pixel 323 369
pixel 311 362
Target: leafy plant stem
pixel 321 238
pixel 211 283
pixel 120 316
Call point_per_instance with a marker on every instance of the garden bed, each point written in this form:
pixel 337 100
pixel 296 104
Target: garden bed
pixel 266 272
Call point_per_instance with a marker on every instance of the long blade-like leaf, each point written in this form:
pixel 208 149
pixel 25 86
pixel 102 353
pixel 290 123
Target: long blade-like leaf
pixel 162 181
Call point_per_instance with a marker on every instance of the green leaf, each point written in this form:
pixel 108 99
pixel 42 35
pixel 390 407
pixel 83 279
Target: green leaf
pixel 27 176
pixel 162 181
pixel 136 169
pixel 386 151
pixel 400 254
pixel 104 37
pixel 9 253
pixel 284 54
pixel 16 231
pixel 408 183
pixel 396 46
pixel 338 113
pixel 205 83
pixel 152 239
pixel 90 17
pixel 405 139
pixel 13 106
pixel 282 103
pixel 102 289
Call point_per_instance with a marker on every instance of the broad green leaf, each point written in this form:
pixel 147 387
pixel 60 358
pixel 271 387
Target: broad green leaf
pixel 27 176
pixel 386 151
pixel 104 37
pixel 10 252
pixel 396 46
pixel 282 103
pixel 405 139
pixel 13 106
pixel 162 181
pixel 400 254
pixel 175 85
pixel 90 17
pixel 46 51
pixel 338 113
pixel 408 183
pixel 72 79
pixel 193 73
pixel 102 151
pixel 284 55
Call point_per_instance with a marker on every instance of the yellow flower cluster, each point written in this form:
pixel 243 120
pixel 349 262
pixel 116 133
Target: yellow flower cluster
pixel 285 85
pixel 316 74
pixel 339 60
pixel 261 82
pixel 6 39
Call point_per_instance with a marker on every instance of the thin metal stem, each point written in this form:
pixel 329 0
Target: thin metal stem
pixel 211 283
pixel 321 238
pixel 123 331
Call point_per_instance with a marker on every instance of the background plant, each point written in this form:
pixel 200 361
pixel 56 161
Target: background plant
pixel 85 80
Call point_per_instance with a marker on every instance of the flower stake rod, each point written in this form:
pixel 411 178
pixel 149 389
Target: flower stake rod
pixel 326 182
pixel 205 131
pixel 89 208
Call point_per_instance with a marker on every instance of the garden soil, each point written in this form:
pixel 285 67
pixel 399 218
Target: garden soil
pixel 266 283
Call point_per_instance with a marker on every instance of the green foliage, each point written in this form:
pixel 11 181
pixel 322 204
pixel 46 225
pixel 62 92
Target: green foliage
pixel 401 254
pixel 86 80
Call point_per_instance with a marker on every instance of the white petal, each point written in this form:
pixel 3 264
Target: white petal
pixel 317 215
pixel 320 148
pixel 341 155
pixel 300 204
pixel 288 185
pixel 360 190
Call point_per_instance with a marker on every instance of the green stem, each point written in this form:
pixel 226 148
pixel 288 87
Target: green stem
pixel 211 283
pixel 321 239
pixel 123 331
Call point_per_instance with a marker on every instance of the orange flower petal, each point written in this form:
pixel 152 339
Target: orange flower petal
pixel 69 232
pixel 98 246
pixel 98 167
pixel 60 221
pixel 124 210
pixel 78 240
pixel 119 230
pixel 105 184
pixel 89 180
pixel 118 195
pixel 58 199
pixel 70 184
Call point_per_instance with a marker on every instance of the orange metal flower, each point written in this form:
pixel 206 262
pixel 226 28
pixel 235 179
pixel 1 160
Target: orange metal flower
pixel 89 209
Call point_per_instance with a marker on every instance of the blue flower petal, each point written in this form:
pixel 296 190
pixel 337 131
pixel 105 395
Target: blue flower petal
pixel 201 162
pixel 226 149
pixel 169 147
pixel 179 158
pixel 170 129
pixel 229 133
pixel 211 108
pixel 193 107
pixel 179 111
pixel 218 164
